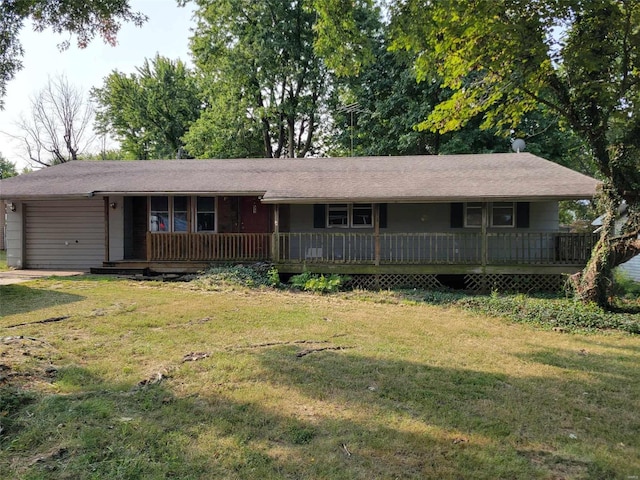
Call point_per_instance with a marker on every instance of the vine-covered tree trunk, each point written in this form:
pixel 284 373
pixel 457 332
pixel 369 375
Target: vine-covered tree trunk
pixel 595 282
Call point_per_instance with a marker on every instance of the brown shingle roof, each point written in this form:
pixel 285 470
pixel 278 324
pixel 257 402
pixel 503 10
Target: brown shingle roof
pixel 389 179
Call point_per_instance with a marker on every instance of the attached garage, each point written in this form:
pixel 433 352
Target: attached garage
pixel 64 234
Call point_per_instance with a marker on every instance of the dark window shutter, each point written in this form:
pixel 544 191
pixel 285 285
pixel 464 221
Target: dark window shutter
pixel 457 215
pixel 522 214
pixel 319 215
pixel 383 215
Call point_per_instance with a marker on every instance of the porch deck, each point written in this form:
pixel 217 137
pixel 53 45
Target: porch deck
pixel 495 252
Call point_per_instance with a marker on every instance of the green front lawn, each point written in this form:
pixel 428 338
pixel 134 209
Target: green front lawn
pixel 3 260
pixel 124 379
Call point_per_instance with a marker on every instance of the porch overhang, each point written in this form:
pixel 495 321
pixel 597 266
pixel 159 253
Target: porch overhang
pixel 270 198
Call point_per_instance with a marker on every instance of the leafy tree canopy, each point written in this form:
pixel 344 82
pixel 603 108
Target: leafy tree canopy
pixel 149 111
pixel 263 60
pixel 7 168
pixel 86 19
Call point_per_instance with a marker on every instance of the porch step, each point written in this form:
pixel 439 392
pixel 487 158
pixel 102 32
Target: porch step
pixel 120 270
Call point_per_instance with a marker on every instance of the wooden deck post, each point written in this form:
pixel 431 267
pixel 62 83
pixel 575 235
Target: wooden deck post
pixel 275 244
pixel 483 233
pixel 376 233
pixel 148 239
pixel 106 228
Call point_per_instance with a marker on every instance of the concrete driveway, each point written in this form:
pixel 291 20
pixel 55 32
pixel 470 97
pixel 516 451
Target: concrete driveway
pixel 10 277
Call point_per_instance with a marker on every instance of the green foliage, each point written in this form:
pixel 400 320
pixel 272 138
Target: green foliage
pixel 223 129
pixel 312 282
pixel 222 277
pixel 561 313
pixel 7 168
pixel 86 20
pixel 264 82
pixel 341 39
pixel 273 277
pixel 111 154
pixel 149 111
pixel 625 286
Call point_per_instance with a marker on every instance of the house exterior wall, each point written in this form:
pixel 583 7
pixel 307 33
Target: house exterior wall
pixel 428 217
pixel 116 228
pixel 3 206
pixel 15 237
pixel 632 268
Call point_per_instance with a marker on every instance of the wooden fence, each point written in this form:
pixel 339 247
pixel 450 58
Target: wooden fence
pixel 508 248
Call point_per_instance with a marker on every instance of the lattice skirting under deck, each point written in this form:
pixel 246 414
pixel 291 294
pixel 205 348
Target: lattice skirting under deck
pixel 514 283
pixel 387 281
pixel 473 282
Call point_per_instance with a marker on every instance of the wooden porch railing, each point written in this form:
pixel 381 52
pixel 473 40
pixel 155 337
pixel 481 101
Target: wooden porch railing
pixel 234 247
pixel 508 248
pixel 394 248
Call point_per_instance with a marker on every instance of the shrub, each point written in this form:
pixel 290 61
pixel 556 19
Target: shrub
pixel 624 286
pixel 564 313
pixel 318 283
pixel 273 277
pixel 254 275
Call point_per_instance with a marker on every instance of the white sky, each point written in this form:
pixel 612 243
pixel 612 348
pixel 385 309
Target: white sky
pixel 166 32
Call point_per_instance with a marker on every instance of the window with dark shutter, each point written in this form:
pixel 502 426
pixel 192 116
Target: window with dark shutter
pixel 319 215
pixel 522 214
pixel 457 215
pixel 383 215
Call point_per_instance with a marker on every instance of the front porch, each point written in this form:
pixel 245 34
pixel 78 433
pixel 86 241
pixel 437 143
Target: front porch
pixel 375 253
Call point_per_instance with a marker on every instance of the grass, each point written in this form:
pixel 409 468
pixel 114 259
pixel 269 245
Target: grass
pixel 3 261
pixel 152 380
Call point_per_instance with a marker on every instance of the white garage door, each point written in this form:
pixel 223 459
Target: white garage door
pixel 64 234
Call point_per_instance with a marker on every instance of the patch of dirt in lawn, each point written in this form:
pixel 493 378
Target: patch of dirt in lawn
pixel 560 468
pixel 26 362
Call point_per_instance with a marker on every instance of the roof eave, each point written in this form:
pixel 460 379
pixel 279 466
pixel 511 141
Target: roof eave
pixel 484 198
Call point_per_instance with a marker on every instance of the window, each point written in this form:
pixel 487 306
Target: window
pixel 473 214
pixel 338 215
pixel 206 216
pixel 362 215
pixel 502 214
pixel 182 214
pixel 159 214
pixel 343 215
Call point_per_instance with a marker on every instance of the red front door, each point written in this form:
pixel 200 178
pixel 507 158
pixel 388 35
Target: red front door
pixel 255 217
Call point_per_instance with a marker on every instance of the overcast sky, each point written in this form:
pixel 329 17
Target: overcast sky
pixel 166 32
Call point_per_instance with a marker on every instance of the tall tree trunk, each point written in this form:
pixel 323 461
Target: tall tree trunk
pixel 595 282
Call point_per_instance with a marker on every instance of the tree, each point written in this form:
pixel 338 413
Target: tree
pixel 385 103
pixel 258 57
pixel 149 111
pixel 85 19
pixel 502 59
pixel 59 128
pixel 7 168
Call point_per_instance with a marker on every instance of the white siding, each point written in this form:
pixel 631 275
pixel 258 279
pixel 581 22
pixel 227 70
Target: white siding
pixel 64 234
pixel 632 268
pixel 116 228
pixel 14 237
